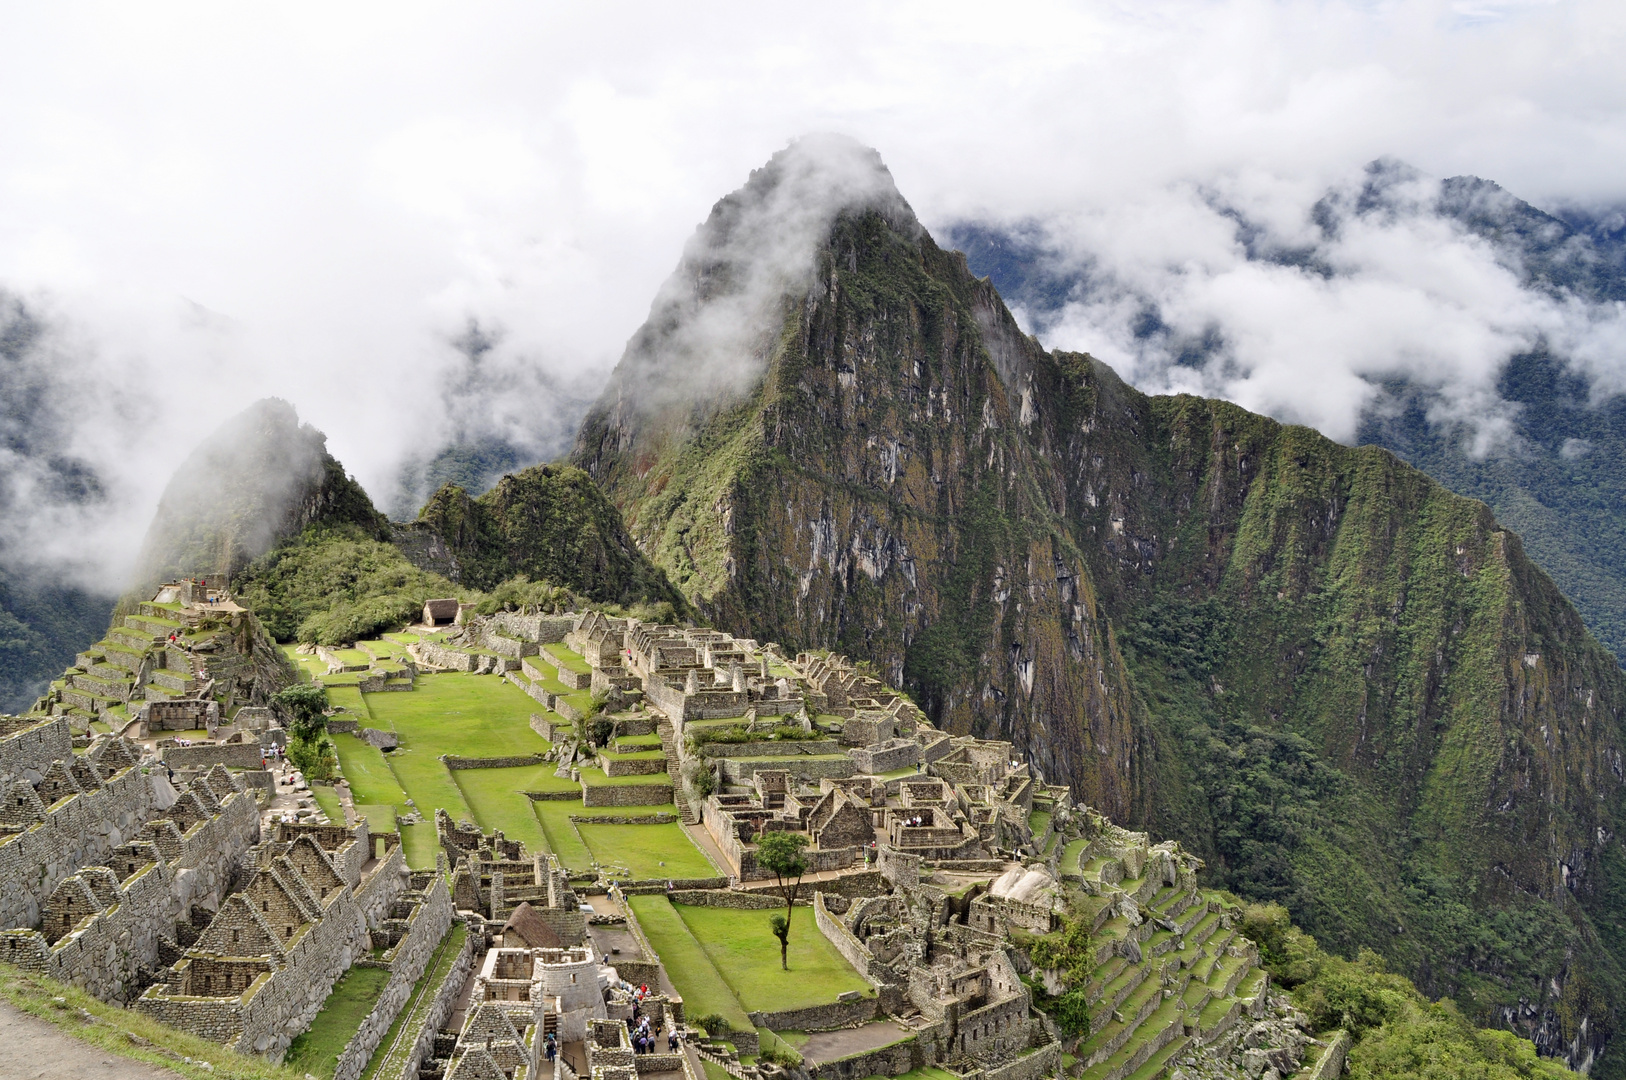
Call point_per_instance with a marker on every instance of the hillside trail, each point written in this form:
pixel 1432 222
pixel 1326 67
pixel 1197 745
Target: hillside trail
pixel 32 1049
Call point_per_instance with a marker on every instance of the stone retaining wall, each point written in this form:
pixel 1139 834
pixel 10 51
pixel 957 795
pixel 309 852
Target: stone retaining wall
pixel 551 728
pixel 626 794
pixel 622 766
pixel 444 1003
pixel 336 726
pixel 454 762
pixel 430 922
pixel 846 943
pixel 231 755
pixel 770 748
pixel 836 1014
pixel 1331 1062
pixel 894 1060
pixel 804 768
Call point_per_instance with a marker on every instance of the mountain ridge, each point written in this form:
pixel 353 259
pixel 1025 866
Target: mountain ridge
pixel 1129 588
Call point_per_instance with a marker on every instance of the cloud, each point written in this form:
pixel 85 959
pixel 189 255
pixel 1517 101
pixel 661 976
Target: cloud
pixel 213 204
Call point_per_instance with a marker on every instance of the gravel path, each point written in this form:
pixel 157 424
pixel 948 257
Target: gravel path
pixel 31 1049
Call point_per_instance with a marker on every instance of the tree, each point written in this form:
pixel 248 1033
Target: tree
pixel 782 854
pixel 781 930
pixel 308 704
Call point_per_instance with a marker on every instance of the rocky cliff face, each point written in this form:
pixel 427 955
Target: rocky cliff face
pixel 261 478
pixel 1346 687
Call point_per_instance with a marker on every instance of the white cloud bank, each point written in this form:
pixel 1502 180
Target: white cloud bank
pixel 215 203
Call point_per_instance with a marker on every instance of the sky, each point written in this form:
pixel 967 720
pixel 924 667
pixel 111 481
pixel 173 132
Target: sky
pixel 208 204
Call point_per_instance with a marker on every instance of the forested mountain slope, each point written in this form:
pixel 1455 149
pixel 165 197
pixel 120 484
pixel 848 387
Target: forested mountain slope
pixel 1345 686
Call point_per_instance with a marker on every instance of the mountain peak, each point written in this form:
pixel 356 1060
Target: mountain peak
pixel 259 478
pixel 717 316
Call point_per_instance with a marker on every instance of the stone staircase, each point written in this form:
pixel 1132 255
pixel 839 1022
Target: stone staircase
pixel 669 746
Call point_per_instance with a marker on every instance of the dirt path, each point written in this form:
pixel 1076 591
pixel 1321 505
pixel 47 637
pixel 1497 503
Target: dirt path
pixel 31 1049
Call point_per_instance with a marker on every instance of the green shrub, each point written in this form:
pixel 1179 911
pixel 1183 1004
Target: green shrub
pixel 714 1025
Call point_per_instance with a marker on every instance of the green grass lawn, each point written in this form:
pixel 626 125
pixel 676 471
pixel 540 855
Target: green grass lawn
pixel 328 800
pixel 467 715
pixel 353 996
pixel 370 776
pixel 494 796
pixel 689 966
pixel 457 713
pixel 379 818
pixel 572 659
pixel 628 744
pixel 744 950
pixel 563 838
pixel 353 701
pixel 643 848
pixel 1039 821
pixel 1070 854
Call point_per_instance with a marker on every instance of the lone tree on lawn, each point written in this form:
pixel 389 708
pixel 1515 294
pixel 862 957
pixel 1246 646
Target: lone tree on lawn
pixel 781 854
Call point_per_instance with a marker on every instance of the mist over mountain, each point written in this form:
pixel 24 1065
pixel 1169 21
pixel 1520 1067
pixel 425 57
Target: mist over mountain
pixel 1348 688
pixel 1491 351
pixel 46 615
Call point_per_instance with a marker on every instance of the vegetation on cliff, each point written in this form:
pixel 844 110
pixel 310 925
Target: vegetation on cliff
pixel 1347 688
pixel 546 523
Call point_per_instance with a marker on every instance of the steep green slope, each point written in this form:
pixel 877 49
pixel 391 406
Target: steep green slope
pixel 259 479
pixel 1346 687
pixel 334 585
pixel 546 523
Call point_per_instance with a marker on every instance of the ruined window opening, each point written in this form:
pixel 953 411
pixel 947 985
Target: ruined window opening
pixel 287 931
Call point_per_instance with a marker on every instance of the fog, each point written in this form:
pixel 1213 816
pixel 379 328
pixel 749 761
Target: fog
pixel 201 207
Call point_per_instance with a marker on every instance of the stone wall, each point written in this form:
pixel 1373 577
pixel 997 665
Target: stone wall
pixel 552 728
pixel 828 1017
pixel 846 942
pixel 770 748
pixel 32 748
pixel 893 1060
pixel 804 768
pixel 77 831
pixel 231 755
pixel 614 765
pixel 429 924
pixel 626 794
pixel 1331 1062
pixel 887 757
pixel 454 762
pixel 440 1007
pixel 542 629
pixel 1041 1062
pixel 106 954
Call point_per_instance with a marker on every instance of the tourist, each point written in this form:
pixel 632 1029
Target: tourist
pixel 671 1042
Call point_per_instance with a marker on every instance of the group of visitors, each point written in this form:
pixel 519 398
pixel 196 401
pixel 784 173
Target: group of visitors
pixel 917 820
pixel 644 1037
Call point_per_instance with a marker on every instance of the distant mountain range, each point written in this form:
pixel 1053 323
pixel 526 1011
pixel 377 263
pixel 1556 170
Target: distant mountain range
pixel 1558 477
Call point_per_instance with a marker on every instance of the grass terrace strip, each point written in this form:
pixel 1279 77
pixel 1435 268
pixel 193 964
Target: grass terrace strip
pixel 742 947
pixel 393 1049
pixel 347 1005
pixel 688 964
pixel 648 851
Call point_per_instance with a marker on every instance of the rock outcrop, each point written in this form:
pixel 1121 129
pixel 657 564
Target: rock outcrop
pixel 1343 686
